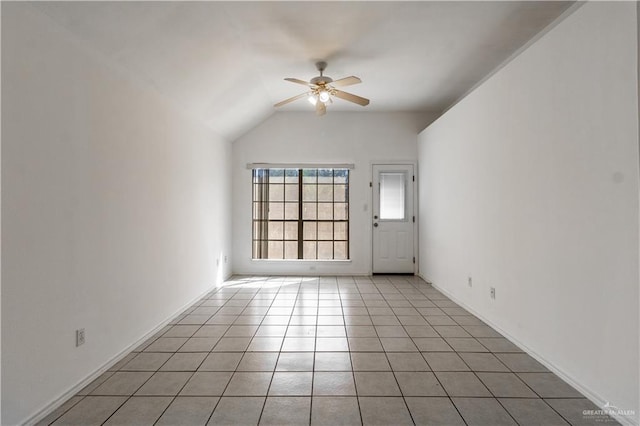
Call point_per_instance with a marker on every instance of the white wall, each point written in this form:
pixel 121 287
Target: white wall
pixel 114 209
pixel 530 185
pixel 303 137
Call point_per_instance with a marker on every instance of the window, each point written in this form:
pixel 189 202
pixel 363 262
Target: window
pixel 301 213
pixel 392 195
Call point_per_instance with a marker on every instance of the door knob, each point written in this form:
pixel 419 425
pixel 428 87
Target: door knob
pixel 375 225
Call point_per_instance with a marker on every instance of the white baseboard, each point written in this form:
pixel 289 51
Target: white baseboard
pixel 302 274
pixel 58 401
pixel 588 393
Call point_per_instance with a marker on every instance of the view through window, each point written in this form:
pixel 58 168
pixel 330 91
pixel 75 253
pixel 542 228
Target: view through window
pixel 301 213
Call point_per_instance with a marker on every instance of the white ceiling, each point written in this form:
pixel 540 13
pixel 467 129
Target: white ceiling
pixel 225 61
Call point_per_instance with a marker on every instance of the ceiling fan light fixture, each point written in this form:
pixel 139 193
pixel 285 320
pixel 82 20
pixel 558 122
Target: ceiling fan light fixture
pixel 313 99
pixel 323 96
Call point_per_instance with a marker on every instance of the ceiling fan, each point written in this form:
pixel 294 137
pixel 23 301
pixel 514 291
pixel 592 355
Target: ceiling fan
pixel 323 88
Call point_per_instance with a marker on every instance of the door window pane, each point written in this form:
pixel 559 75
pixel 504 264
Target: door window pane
pixel 392 195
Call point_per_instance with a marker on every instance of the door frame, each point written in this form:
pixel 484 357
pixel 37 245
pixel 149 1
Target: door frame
pixel 414 163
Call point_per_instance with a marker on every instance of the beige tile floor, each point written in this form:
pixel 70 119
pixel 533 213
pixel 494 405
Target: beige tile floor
pixel 382 350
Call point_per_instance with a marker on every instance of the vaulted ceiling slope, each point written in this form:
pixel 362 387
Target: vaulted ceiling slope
pixel 224 62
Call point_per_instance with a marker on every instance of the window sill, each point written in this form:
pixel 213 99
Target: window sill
pixel 301 261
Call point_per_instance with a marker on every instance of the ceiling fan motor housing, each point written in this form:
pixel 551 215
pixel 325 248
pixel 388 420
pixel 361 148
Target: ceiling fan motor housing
pixel 321 80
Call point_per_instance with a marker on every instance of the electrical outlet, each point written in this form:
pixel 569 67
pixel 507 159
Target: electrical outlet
pixel 79 337
pixel 470 283
pixel 492 292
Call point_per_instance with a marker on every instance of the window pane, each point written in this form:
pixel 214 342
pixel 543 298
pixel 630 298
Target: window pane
pixel 309 176
pixel 325 211
pixel 276 211
pixel 291 250
pixel 309 230
pixel 309 192
pixel 291 231
pixel 291 176
pixel 309 211
pixel 291 211
pixel 340 250
pixel 257 214
pixel 276 192
pixel 262 230
pixel 340 231
pixel 257 191
pixel 325 176
pixel 325 230
pixel 260 249
pixel 276 230
pixel 325 192
pixel 341 211
pixel 291 192
pixel 341 175
pixel 309 250
pixel 259 175
pixel 340 193
pixel 276 175
pixel 325 249
pixel 392 188
pixel 275 249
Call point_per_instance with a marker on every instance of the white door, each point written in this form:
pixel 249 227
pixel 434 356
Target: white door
pixel 393 218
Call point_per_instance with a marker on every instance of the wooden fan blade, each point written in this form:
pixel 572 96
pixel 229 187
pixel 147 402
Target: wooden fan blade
pixel 347 81
pixel 321 108
pixel 298 81
pixel 351 98
pixel 295 98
